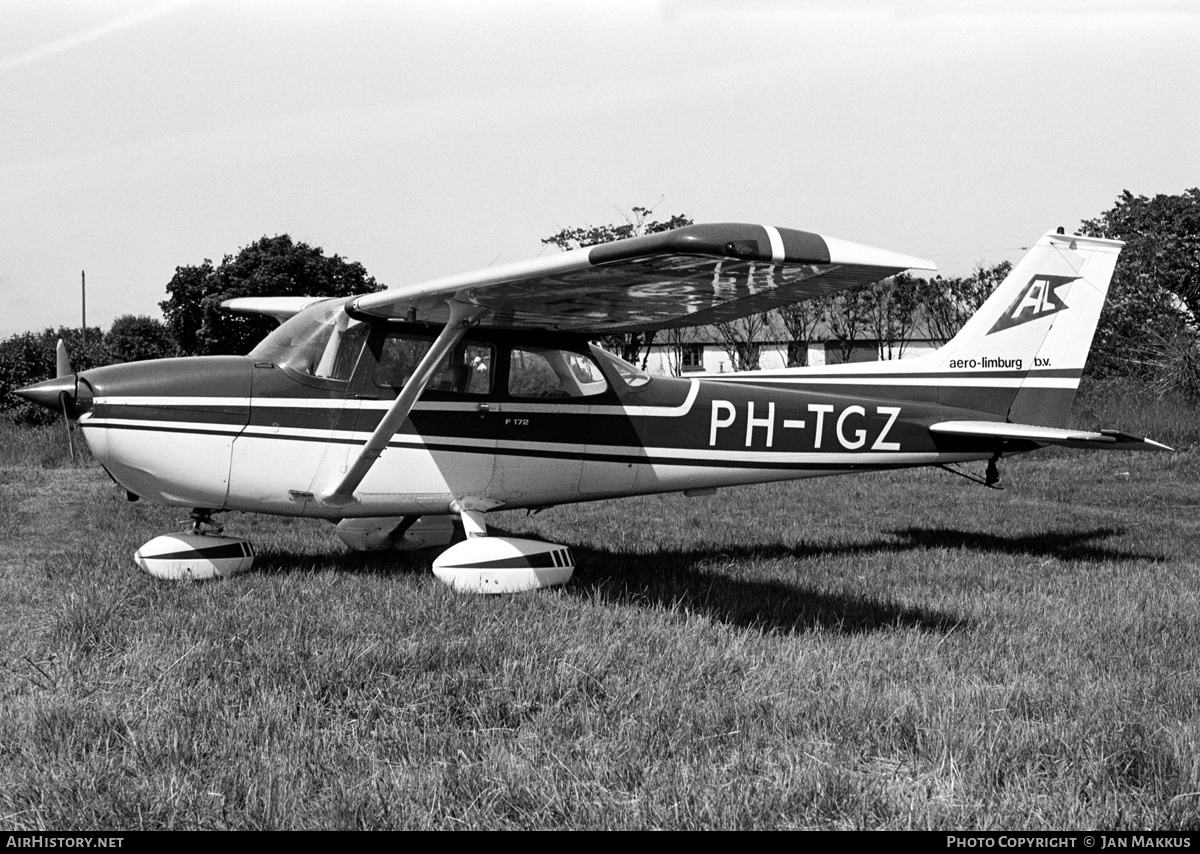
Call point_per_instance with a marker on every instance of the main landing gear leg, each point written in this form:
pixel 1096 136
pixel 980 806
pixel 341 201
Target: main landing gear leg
pixel 473 524
pixel 990 479
pixel 992 476
pixel 483 564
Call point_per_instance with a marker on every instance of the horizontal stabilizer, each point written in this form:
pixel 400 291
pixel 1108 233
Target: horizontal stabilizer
pixel 1104 440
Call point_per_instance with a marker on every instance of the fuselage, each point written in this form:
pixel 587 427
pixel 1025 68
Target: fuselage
pixel 514 420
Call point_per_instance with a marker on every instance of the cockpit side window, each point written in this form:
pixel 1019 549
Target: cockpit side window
pixel 549 372
pixel 466 370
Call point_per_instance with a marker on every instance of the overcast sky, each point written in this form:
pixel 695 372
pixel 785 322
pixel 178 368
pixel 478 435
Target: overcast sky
pixel 423 139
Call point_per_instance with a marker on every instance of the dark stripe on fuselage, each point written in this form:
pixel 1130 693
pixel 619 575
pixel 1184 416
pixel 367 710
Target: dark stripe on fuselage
pixel 573 452
pixel 209 414
pixel 821 380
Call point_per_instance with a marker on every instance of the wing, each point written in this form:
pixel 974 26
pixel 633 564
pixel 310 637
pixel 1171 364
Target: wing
pixel 280 308
pixel 688 276
pixel 1105 440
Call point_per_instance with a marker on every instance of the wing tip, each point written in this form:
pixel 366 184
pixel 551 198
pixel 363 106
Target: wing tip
pixel 849 252
pixel 280 308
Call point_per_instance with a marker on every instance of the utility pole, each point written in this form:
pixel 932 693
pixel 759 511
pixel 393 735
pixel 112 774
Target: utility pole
pixel 83 299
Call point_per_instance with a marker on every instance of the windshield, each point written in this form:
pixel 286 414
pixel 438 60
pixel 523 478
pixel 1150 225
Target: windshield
pixel 632 376
pixel 321 341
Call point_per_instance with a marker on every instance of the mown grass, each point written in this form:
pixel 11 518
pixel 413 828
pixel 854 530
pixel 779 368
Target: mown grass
pixel 905 650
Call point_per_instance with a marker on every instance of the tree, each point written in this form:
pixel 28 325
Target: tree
pixel 677 339
pixel 636 223
pixel 271 266
pixel 743 339
pixel 631 346
pixel 801 321
pixel 846 314
pixel 134 338
pixel 1162 242
pixel 1155 291
pixel 891 313
pixel 947 304
pixel 184 308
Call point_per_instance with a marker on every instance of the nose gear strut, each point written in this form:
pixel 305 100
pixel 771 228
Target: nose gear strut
pixel 202 522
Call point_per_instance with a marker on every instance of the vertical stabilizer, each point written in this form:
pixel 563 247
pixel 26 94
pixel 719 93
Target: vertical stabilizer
pixel 1021 355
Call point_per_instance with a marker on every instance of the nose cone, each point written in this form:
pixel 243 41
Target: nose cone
pixel 48 393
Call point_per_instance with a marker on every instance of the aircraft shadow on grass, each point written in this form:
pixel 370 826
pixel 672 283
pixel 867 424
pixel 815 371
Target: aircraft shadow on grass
pixel 692 580
pixel 1070 546
pixel 680 580
pixel 686 579
pixel 667 578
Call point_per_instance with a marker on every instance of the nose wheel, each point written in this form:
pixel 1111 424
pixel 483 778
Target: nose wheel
pixel 197 555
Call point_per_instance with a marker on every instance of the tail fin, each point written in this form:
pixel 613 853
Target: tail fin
pixel 1022 353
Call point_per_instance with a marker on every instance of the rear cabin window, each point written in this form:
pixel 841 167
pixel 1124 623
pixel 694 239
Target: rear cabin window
pixel 632 376
pixel 551 373
pixel 467 369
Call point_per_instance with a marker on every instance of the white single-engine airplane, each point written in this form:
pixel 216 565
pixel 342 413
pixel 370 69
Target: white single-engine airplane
pixel 390 413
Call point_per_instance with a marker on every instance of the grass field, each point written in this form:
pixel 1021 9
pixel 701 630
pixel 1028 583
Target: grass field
pixel 906 650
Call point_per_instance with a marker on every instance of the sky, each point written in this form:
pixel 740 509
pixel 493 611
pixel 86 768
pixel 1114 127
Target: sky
pixel 427 138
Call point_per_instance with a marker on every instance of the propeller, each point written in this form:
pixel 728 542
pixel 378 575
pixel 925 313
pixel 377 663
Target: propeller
pixel 57 394
pixel 62 362
pixel 62 368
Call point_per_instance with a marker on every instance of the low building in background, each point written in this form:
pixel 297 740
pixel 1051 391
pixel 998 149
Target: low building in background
pixel 704 349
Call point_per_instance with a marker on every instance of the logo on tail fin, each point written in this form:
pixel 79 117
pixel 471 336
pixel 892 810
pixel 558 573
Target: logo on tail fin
pixel 1038 299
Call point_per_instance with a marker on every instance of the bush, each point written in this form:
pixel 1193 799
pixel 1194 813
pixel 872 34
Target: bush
pixel 1170 363
pixel 1132 404
pixel 135 338
pixel 30 357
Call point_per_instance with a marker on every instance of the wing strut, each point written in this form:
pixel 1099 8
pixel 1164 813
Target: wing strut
pixel 462 317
